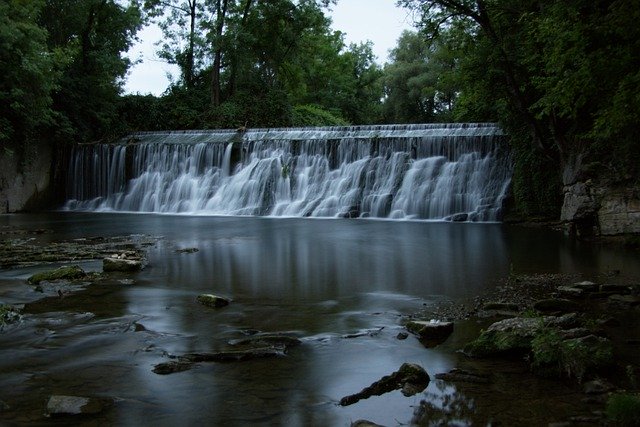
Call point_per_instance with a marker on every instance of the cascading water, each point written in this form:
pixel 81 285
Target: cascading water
pixel 436 171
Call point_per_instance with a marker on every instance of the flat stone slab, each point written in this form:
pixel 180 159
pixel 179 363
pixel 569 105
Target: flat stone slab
pixel 76 405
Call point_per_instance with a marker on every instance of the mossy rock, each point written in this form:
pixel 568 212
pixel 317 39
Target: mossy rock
pixel 573 358
pixel 71 272
pixel 8 314
pixel 213 301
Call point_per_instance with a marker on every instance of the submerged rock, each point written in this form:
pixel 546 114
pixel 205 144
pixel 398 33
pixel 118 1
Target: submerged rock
pixel 411 378
pixel 186 362
pixel 70 272
pixel 121 264
pixel 75 405
pixel 275 340
pixel 187 250
pixel 431 332
pixel 213 301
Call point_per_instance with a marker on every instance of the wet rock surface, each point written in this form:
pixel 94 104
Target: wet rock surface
pixel 213 301
pixel 59 405
pixel 410 378
pixel 21 248
pixel 430 332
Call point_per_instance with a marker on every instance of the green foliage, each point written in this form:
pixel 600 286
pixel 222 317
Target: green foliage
pixel 312 115
pixel 536 184
pixel 30 72
pixel 623 409
pixel 560 76
pixel 94 34
pixel 420 81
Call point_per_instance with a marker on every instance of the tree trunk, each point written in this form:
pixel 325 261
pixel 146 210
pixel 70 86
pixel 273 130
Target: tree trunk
pixel 221 11
pixel 189 66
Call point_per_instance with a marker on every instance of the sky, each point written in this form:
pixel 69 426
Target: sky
pixel 377 20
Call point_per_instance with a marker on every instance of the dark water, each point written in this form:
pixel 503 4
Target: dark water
pixel 317 279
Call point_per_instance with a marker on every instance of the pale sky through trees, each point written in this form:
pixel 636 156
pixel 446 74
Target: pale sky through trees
pixel 377 20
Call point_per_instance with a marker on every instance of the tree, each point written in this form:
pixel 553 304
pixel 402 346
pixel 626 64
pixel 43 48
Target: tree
pixel 555 73
pixel 94 34
pixel 31 71
pixel 178 20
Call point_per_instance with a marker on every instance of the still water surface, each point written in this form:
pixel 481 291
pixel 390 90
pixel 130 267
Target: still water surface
pixel 317 279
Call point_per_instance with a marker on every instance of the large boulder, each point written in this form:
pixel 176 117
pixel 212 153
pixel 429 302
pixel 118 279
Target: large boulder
pixel 515 335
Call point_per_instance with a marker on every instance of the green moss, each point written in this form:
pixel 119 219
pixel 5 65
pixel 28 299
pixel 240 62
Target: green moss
pixel 624 410
pixel 495 342
pixel 70 272
pixel 553 356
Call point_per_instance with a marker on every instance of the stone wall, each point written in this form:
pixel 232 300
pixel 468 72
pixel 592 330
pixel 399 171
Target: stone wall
pixel 25 180
pixel 596 209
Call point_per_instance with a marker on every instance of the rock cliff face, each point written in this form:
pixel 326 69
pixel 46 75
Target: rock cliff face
pixel 596 209
pixel 25 184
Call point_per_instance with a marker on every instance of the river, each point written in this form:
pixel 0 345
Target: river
pixel 344 287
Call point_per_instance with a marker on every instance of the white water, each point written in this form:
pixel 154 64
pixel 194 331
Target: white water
pixel 396 171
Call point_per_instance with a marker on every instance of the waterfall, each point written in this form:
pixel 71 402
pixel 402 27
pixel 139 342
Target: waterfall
pixel 457 172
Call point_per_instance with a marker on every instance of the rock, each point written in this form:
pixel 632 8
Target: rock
pixel 556 305
pixel 172 367
pixel 515 335
pixel 187 250
pixel 432 332
pixel 71 272
pixel 459 217
pixel 570 292
pixel 626 301
pixel 235 356
pixel 276 340
pixel 186 361
pixel 75 405
pixel 9 314
pixel 460 375
pixel 619 211
pixel 402 335
pixel 586 286
pixel 618 289
pixel 364 333
pixel 364 423
pixel 120 264
pixel 411 378
pixel 609 322
pixel 597 386
pixel 213 301
pixel 579 203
